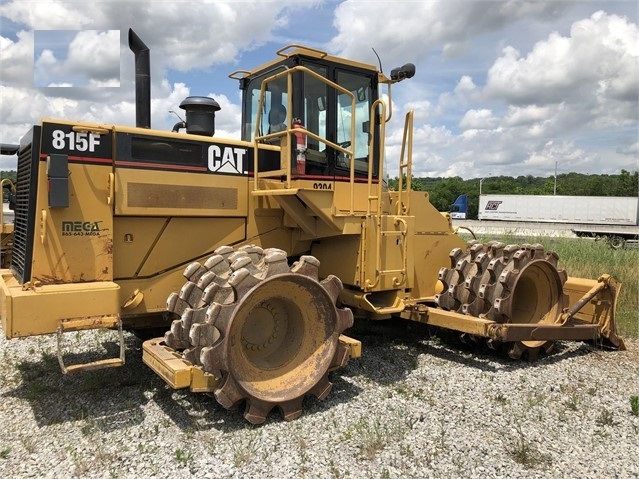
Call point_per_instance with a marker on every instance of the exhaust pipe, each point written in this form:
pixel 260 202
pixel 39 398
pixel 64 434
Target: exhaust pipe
pixel 142 81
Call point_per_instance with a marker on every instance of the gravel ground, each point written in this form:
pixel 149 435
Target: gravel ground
pixel 414 406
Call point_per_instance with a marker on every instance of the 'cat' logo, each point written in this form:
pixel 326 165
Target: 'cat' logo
pixel 227 159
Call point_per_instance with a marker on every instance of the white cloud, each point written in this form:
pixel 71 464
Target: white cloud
pixel 409 28
pixel 50 15
pixel 478 120
pixel 526 115
pixel 16 59
pixel 95 54
pixel 600 55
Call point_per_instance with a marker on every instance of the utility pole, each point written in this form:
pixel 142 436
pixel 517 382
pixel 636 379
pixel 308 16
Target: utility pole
pixel 555 190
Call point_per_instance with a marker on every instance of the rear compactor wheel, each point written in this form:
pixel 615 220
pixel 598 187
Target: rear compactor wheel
pixel 269 331
pixel 507 284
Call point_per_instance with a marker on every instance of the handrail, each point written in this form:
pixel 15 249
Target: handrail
pixel 371 153
pixel 293 46
pixel 289 131
pixel 407 148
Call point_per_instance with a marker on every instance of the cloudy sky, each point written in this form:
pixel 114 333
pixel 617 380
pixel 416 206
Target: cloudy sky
pixel 509 87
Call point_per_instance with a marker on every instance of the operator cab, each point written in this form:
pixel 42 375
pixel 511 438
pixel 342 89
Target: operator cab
pixel 324 96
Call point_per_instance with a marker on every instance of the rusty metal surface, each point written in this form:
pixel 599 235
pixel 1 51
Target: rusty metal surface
pixel 269 331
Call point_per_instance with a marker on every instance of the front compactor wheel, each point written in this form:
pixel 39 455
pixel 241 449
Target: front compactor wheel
pixel 270 331
pixel 507 284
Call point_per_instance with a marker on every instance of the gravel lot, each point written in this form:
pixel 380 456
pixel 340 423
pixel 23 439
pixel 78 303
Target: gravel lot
pixel 414 406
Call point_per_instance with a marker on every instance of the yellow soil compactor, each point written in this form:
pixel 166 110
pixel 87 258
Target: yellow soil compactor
pixel 256 254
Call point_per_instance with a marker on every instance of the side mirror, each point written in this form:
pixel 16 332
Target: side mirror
pixel 400 73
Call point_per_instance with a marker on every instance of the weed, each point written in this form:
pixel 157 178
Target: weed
pixel 406 450
pixel 572 402
pixel 147 448
pixel 182 456
pixel 525 453
pixel 37 389
pixel 442 434
pixel 536 399
pixel 93 382
pixel 4 453
pixel 244 449
pixel 334 469
pixel 500 399
pixel 401 390
pixel 373 437
pixel 605 418
pixel 634 405
pixel 89 428
pixel 29 443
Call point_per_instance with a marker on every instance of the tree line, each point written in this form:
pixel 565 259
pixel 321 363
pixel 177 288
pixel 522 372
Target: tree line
pixel 443 191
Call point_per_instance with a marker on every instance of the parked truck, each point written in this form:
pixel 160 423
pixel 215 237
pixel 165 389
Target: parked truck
pixel 256 254
pixel 591 210
pixel 459 209
pixel 611 217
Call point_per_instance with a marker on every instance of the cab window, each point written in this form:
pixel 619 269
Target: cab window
pixel 360 87
pixel 273 107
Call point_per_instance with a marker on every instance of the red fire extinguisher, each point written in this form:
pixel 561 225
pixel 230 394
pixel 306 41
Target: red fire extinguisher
pixel 300 147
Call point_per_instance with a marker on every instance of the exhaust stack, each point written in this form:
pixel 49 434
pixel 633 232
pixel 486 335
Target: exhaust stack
pixel 142 81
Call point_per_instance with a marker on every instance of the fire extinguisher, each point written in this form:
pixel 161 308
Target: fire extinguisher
pixel 300 147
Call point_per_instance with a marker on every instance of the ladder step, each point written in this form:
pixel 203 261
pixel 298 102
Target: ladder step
pixel 94 365
pixel 88 323
pixel 81 324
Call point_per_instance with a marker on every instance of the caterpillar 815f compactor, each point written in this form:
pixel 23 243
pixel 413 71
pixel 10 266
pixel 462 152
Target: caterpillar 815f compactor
pixel 283 236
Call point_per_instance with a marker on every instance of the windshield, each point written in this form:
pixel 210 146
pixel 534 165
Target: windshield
pixel 274 112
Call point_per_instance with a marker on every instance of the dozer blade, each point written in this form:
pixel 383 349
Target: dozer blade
pixel 595 302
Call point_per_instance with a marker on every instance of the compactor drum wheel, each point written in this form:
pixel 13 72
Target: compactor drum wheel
pixel 269 331
pixel 507 284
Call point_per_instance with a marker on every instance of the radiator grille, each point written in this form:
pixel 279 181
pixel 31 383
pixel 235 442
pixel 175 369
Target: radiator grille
pixel 26 185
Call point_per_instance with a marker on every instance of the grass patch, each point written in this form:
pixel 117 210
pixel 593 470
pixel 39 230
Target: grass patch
pixel 372 434
pixel 605 418
pixel 524 452
pixel 634 405
pixel 183 457
pixel 245 448
pixel 585 258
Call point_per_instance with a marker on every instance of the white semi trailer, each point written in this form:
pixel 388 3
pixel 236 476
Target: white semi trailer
pixel 613 217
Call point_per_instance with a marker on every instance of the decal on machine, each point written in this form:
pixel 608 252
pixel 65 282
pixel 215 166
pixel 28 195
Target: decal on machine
pixel 227 159
pixel 493 205
pixel 75 141
pixel 81 228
